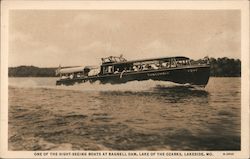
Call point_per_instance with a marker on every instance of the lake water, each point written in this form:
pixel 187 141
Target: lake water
pixel 146 115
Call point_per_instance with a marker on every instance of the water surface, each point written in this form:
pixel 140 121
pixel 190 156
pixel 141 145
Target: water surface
pixel 144 115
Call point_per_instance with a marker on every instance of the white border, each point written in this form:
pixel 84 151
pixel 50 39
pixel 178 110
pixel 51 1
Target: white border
pixel 128 5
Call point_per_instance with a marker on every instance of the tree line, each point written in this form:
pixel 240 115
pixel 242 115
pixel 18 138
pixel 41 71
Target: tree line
pixel 220 67
pixel 225 67
pixel 31 71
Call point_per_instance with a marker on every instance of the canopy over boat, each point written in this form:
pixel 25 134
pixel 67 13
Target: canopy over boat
pixel 76 69
pixel 71 70
pixel 121 60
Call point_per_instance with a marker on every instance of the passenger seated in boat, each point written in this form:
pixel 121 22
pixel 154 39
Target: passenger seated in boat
pixel 158 65
pixel 135 68
pixel 164 64
pixel 117 71
pixel 179 63
pixel 173 65
pixel 78 75
pixel 139 67
pixel 153 66
pixel 64 77
pixel 145 67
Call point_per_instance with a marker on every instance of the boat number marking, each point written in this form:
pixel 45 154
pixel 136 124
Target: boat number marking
pixel 192 70
pixel 158 74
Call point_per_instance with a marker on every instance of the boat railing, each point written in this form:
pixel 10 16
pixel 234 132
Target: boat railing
pixel 113 59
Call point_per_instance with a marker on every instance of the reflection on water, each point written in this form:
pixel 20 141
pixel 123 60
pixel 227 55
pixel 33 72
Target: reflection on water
pixel 134 116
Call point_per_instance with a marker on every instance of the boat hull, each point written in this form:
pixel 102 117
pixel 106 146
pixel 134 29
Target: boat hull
pixel 194 75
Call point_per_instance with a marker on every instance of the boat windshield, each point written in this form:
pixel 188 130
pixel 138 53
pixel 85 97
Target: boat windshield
pixel 182 61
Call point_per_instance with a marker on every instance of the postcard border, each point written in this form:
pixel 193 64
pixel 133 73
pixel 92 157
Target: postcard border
pixel 6 6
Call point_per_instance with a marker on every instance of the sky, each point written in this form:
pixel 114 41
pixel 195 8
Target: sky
pixel 47 38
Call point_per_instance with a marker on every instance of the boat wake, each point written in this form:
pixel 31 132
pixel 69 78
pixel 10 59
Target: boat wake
pixel 133 86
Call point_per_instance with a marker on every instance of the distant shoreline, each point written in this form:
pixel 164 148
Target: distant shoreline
pixel 220 67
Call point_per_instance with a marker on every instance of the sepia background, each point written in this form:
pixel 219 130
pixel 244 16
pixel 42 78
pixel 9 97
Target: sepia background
pixel 47 38
pixel 145 115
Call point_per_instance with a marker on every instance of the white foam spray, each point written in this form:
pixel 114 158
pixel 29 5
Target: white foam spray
pixel 50 83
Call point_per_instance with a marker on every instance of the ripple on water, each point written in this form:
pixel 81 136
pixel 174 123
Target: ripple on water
pixel 135 116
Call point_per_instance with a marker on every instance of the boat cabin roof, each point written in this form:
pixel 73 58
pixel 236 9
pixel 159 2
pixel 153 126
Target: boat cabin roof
pixel 146 60
pixel 76 69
